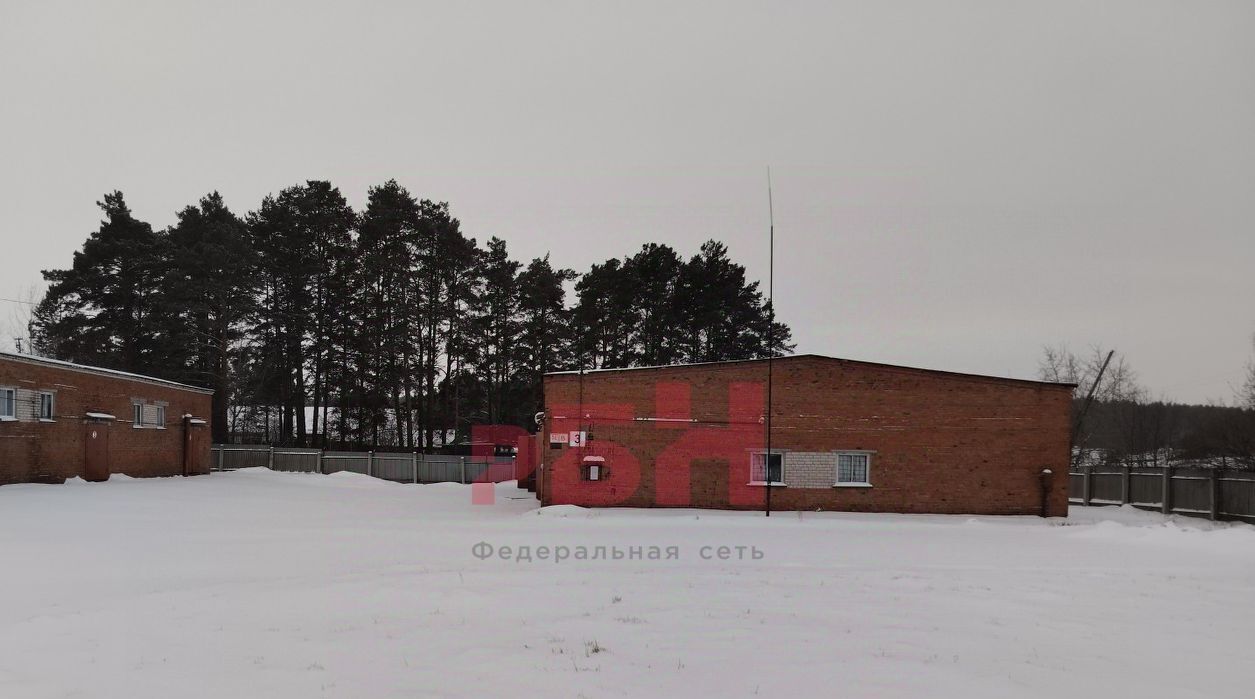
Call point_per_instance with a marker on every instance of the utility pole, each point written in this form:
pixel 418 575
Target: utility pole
pixel 1089 398
pixel 771 322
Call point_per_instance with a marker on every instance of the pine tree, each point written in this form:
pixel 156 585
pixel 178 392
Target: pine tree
pixel 295 235
pixel 544 336
pixel 652 277
pixel 464 294
pixel 386 233
pixel 207 296
pixel 497 329
pixel 603 318
pixel 446 285
pixel 723 316
pixel 103 309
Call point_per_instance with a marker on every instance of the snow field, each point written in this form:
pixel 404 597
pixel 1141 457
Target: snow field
pixel 261 584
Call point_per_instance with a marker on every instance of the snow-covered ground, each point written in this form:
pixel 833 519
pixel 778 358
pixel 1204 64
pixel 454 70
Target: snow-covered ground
pixel 260 584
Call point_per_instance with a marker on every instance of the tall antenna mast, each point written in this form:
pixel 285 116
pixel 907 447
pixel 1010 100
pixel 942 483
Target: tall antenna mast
pixel 771 322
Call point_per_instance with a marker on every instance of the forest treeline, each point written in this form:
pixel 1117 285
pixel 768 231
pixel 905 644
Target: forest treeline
pixel 319 325
pixel 1125 423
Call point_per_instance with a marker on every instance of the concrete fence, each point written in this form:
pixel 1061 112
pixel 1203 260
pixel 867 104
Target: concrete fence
pixel 402 467
pixel 1217 494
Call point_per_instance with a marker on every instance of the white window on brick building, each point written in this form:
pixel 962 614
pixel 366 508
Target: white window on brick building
pixel 148 415
pixel 854 468
pixel 767 468
pixel 593 468
pixel 8 404
pixel 47 405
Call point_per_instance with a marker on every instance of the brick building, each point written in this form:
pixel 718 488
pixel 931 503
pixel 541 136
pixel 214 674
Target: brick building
pixel 60 420
pixel 845 435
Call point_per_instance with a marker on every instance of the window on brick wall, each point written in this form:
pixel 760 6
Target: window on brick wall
pixel 47 405
pixel 8 404
pixel 593 469
pixel 767 468
pixel 148 415
pixel 854 468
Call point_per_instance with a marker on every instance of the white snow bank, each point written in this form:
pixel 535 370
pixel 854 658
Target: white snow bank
pixel 354 478
pixel 565 511
pixel 1129 515
pixel 113 478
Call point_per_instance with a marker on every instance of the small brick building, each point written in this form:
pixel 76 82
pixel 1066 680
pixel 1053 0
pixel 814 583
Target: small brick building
pixel 845 435
pixel 60 420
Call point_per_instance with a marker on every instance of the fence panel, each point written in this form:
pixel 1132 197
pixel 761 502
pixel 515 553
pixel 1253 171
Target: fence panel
pixel 475 471
pixel 297 460
pixel 393 467
pixel 1107 486
pixel 1076 486
pixel 355 461
pixel 1237 494
pixel 501 470
pixel 402 467
pixel 1191 491
pixel 440 468
pixel 230 458
pixel 1146 487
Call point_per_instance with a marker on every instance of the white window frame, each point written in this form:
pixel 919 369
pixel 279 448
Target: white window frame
pixel 593 469
pixel 52 406
pixel 836 476
pixel 754 455
pixel 8 397
pixel 137 415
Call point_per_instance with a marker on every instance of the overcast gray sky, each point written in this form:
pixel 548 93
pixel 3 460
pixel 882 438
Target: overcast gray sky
pixel 956 183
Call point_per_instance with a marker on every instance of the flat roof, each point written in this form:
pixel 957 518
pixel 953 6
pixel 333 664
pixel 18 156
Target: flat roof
pixel 101 371
pixel 879 365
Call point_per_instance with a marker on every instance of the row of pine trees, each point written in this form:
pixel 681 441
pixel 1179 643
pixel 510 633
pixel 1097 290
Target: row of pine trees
pixel 318 325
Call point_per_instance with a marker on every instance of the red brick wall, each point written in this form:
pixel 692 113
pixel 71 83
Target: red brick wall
pixel 944 443
pixel 54 451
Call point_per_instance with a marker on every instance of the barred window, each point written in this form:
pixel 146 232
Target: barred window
pixel 767 468
pixel 852 469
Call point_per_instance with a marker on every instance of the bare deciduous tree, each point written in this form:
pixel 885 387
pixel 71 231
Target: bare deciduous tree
pixel 1119 381
pixel 16 334
pixel 1247 395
